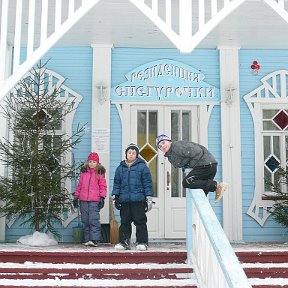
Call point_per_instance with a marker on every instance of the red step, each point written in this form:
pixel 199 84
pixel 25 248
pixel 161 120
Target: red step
pixel 263 256
pixel 104 285
pixel 159 271
pixel 269 272
pixel 95 267
pixel 86 257
pixel 266 268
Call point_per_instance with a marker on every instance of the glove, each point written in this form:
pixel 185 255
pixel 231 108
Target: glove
pixel 148 203
pixel 184 168
pixel 116 202
pixel 76 203
pixel 101 203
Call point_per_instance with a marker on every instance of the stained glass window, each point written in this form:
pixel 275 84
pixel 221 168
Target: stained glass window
pixel 281 119
pixel 275 123
pixel 146 134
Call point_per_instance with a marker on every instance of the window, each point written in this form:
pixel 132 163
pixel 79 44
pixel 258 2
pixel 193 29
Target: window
pixel 275 137
pixel 269 109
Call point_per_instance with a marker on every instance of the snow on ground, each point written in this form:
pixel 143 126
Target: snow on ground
pixel 29 264
pixel 269 281
pixel 44 242
pixel 37 239
pixel 98 282
pixel 260 246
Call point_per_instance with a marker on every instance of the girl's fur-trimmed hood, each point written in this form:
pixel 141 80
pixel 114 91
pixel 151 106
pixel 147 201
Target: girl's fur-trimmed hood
pixel 100 169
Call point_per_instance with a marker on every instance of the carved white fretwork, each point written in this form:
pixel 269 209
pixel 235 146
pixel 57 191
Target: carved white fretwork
pixel 50 16
pixel 273 91
pixel 55 80
pixel 279 7
pixel 192 29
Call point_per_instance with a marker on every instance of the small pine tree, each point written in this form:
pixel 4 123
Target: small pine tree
pixel 35 155
pixel 279 210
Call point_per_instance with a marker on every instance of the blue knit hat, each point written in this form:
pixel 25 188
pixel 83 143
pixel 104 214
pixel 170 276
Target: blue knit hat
pixel 162 137
pixel 132 146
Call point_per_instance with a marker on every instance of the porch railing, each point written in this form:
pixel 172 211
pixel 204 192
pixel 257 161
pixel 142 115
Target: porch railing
pixel 36 26
pixel 214 260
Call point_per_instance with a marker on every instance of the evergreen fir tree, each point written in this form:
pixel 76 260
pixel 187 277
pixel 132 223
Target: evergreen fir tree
pixel 279 210
pixel 36 154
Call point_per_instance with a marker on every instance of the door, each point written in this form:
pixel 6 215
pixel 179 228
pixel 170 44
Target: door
pixel 167 219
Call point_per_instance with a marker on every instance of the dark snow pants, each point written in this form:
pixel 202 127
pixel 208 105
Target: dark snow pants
pixel 90 220
pixel 133 212
pixel 201 177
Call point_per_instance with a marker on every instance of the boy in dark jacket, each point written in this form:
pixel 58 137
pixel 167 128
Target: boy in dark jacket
pixel 132 195
pixel 194 157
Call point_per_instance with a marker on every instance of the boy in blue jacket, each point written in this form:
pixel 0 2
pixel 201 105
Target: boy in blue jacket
pixel 132 195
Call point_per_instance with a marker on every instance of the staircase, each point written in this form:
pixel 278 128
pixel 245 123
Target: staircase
pixel 95 267
pixel 266 266
pixel 163 265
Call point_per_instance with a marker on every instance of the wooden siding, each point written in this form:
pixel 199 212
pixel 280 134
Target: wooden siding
pixel 270 60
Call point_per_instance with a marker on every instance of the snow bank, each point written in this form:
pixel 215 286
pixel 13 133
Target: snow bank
pixel 37 239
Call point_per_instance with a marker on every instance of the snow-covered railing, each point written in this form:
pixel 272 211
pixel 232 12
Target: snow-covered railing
pixel 214 261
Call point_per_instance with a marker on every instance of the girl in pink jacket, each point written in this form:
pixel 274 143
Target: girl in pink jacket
pixel 91 191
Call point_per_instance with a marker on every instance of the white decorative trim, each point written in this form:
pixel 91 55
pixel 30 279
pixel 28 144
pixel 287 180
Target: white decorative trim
pixel 278 7
pixel 273 91
pixel 203 121
pixel 34 52
pixel 185 40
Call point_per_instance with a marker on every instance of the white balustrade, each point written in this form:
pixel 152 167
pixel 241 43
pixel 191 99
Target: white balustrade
pixel 208 249
pixel 45 13
pixel 192 20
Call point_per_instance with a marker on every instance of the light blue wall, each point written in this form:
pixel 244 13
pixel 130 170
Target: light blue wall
pixel 269 60
pixel 75 64
pixel 206 61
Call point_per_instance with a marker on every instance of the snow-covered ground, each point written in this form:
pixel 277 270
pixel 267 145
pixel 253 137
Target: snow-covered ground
pixel 260 246
pixel 44 242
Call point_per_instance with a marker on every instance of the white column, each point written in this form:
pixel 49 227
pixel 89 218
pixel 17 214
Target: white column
pixel 4 133
pixel 231 142
pixel 100 128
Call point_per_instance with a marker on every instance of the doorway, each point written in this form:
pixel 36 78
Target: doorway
pixel 167 219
